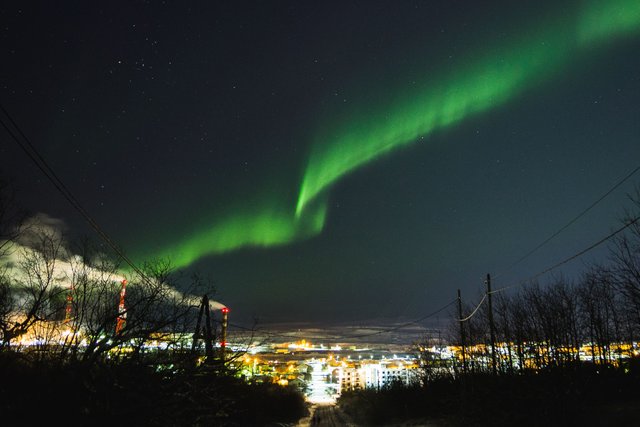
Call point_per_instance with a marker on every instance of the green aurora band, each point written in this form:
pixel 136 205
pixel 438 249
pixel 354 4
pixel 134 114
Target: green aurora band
pixel 267 225
pixel 486 83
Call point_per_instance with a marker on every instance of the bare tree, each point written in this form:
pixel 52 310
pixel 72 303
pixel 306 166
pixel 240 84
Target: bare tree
pixel 624 265
pixel 504 329
pixel 11 218
pixel 154 310
pixel 30 297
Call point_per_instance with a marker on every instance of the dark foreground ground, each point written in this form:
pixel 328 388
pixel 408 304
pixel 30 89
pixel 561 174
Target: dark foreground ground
pixel 615 414
pixel 579 395
pixel 47 392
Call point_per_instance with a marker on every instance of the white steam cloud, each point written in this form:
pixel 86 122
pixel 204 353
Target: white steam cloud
pixel 42 228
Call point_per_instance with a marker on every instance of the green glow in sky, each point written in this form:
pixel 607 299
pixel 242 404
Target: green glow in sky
pixel 605 20
pixel 504 72
pixel 263 226
pixel 485 84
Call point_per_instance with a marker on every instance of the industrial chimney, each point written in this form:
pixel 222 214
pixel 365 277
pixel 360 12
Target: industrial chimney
pixel 122 312
pixel 225 321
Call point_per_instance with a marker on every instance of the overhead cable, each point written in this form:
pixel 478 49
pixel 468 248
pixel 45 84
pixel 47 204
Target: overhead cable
pixel 552 236
pixel 25 144
pixel 475 310
pixel 571 258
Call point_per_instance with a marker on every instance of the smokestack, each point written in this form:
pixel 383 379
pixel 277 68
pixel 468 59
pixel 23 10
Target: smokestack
pixel 122 313
pixel 69 308
pixel 225 321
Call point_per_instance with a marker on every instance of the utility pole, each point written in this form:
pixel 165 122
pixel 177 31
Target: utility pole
pixel 491 327
pixel 208 333
pixel 462 337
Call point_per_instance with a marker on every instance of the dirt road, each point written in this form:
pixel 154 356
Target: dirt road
pixel 326 416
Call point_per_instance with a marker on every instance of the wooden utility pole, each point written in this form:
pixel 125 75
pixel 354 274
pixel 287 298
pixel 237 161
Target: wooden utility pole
pixel 491 327
pixel 462 337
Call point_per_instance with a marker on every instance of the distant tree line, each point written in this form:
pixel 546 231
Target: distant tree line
pixel 541 377
pixel 544 326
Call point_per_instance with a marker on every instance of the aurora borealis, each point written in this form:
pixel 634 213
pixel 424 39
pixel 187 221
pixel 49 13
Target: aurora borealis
pixel 443 102
pixel 298 150
pixel 264 228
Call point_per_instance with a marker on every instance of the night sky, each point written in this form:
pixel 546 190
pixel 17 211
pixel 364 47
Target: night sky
pixel 330 161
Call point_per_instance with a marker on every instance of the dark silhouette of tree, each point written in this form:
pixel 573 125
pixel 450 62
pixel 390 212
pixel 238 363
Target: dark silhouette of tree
pixel 32 296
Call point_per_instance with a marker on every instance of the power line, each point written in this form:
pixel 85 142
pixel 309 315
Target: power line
pixel 581 214
pixel 572 257
pixel 484 297
pixel 48 171
pixel 553 267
